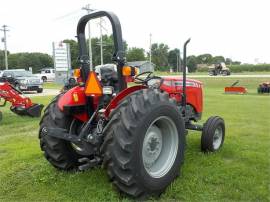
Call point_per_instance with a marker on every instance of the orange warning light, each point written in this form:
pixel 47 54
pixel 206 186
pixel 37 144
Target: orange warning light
pixel 129 71
pixel 92 85
pixel 77 73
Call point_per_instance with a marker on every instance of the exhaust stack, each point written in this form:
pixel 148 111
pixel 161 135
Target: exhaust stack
pixel 184 95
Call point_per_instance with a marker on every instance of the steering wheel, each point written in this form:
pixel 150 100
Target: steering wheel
pixel 138 80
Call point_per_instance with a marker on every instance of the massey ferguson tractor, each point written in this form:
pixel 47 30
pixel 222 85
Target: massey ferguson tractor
pixel 137 133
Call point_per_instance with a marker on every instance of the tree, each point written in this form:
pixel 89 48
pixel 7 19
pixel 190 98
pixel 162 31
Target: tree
pixel 218 59
pixel 205 59
pixel 192 63
pixel 135 54
pixel 228 61
pixel 173 56
pixel 236 63
pixel 25 60
pixel 160 56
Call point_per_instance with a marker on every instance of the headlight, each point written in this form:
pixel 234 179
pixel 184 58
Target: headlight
pixel 108 90
pixel 23 81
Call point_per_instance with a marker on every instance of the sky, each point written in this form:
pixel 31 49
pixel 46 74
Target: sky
pixel 238 29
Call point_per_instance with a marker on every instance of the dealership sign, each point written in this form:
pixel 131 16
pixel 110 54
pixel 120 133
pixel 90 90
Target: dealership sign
pixel 61 55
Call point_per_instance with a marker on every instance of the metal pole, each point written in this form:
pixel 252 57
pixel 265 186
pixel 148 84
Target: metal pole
pixel 101 43
pixel 69 61
pixel 87 8
pixel 90 47
pixel 180 60
pixel 150 52
pixel 177 64
pixel 5 44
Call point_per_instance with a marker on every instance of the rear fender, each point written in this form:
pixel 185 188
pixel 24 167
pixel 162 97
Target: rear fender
pixel 117 99
pixel 73 103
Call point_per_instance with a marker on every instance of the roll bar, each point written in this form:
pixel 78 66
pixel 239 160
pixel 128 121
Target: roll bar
pixel 118 55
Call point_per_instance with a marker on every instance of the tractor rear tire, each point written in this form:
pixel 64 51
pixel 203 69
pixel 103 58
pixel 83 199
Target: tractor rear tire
pixel 140 163
pixel 213 134
pixel 57 151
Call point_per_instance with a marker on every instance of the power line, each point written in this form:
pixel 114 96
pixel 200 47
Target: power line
pixel 5 30
pixel 67 15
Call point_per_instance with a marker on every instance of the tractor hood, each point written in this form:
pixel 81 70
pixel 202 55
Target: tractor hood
pixel 180 79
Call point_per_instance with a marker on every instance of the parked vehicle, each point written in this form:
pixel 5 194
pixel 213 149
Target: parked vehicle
pixel 47 74
pixel 219 69
pixel 22 80
pixel 1 72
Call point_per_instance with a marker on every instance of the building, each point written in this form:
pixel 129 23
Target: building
pixel 144 66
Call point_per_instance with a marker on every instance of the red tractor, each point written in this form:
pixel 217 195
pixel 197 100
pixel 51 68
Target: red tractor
pixel 264 88
pixel 137 133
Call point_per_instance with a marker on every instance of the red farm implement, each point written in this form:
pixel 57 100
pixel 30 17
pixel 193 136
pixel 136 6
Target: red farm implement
pixel 20 104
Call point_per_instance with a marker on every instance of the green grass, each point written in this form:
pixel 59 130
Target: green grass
pixel 240 171
pixel 52 85
pixel 206 73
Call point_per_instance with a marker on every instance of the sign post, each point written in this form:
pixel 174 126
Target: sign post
pixel 62 61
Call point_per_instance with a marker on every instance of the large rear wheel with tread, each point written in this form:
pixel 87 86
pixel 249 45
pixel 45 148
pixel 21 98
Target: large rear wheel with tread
pixel 144 144
pixel 58 152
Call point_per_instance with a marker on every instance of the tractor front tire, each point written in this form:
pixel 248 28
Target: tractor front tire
pixel 57 151
pixel 144 144
pixel 213 134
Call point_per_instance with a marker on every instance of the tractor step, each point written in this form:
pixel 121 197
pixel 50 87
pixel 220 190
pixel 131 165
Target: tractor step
pixel 61 134
pixel 89 163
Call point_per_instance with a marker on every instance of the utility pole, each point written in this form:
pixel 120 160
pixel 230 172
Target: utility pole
pixel 150 48
pixel 101 42
pixel 180 60
pixel 87 8
pixel 5 43
pixel 177 60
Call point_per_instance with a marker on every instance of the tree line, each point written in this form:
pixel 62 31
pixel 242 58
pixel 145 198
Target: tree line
pixel 161 55
pixel 25 60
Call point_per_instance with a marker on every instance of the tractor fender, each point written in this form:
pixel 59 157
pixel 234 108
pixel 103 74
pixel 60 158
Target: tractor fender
pixel 73 103
pixel 120 96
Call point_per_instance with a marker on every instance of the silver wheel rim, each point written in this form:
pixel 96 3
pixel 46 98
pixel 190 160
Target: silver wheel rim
pixel 217 138
pixel 77 147
pixel 160 147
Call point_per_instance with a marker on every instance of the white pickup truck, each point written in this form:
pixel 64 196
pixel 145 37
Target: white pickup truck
pixel 47 74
